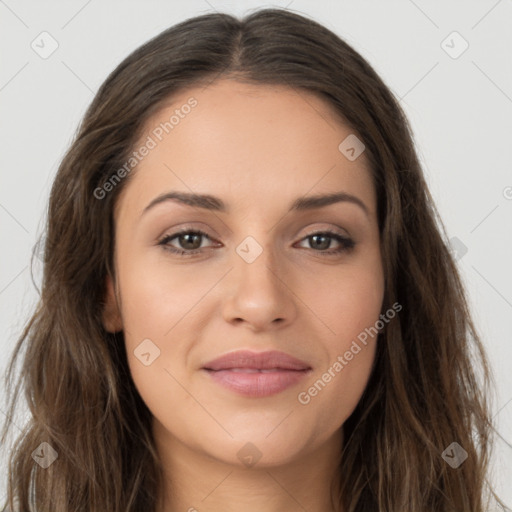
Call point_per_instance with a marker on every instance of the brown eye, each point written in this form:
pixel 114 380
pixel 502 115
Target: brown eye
pixel 322 240
pixel 189 242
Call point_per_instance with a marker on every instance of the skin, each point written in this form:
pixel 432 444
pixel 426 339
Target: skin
pixel 258 148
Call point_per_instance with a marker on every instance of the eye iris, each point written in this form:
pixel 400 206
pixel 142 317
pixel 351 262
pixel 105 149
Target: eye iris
pixel 187 237
pixel 320 245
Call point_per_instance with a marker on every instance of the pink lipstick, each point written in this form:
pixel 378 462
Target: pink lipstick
pixel 257 374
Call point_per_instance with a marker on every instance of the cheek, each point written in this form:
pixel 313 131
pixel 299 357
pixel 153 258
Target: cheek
pixel 349 305
pixel 331 396
pixel 332 393
pixel 156 306
pixel 347 302
pixel 157 297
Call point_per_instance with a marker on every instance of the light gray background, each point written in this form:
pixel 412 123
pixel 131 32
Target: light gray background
pixel 460 110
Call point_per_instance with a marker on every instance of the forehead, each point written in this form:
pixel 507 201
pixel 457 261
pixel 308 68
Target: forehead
pixel 247 143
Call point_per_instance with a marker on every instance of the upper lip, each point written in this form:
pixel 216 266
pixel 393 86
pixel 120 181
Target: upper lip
pixel 257 360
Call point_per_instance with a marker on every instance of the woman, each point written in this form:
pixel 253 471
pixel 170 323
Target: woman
pixel 312 352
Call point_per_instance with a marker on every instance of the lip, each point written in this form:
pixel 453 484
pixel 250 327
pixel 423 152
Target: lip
pixel 257 374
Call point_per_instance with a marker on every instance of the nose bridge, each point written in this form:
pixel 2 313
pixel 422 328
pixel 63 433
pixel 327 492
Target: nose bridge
pixel 259 296
pixel 256 263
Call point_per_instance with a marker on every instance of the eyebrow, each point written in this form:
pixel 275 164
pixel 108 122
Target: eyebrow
pixel 209 202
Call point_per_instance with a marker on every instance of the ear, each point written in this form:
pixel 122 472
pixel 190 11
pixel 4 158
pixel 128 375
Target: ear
pixel 112 320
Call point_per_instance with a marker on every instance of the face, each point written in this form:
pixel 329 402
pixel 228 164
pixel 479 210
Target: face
pixel 256 274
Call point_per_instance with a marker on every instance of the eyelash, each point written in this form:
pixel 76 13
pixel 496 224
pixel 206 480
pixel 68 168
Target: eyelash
pixel 346 244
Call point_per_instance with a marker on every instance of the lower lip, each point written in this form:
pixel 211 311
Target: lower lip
pixel 257 384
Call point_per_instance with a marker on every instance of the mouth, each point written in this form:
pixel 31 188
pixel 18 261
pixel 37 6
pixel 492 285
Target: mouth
pixel 257 374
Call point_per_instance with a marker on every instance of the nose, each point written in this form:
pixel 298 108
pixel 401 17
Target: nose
pixel 259 293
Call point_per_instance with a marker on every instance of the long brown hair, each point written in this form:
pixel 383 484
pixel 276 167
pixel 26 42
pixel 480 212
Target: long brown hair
pixel 424 393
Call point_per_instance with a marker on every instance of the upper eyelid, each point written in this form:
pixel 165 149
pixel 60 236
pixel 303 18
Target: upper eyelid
pixel 188 229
